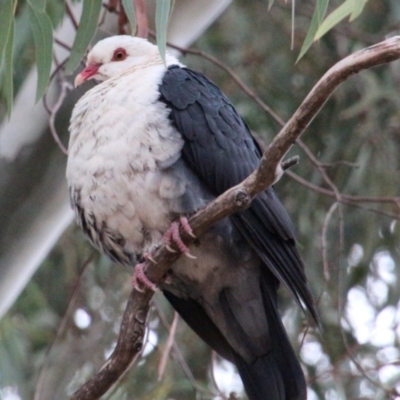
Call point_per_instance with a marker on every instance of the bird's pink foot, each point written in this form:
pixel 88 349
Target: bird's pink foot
pixel 140 280
pixel 186 227
pixel 172 235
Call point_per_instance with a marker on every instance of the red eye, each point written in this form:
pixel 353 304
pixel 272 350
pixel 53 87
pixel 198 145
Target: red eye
pixel 119 55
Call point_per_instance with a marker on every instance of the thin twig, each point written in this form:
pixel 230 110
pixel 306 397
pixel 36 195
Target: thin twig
pixel 177 352
pixel 62 44
pixel 304 335
pixel 324 245
pixel 55 108
pixel 213 379
pixel 55 73
pixel 71 14
pixel 168 346
pixel 339 163
pixel 346 198
pixel 64 85
pixel 320 168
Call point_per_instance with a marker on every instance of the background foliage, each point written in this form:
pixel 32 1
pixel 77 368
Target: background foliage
pixel 351 250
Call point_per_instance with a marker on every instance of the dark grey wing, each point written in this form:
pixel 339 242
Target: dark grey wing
pixel 221 151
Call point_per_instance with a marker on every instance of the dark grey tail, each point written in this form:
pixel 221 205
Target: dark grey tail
pixel 277 375
pixel 269 378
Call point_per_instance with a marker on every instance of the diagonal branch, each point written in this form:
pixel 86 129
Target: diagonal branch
pixel 235 199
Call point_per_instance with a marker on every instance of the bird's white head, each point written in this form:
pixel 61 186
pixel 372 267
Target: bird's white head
pixel 113 56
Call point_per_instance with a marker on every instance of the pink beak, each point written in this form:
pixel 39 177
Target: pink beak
pixel 86 74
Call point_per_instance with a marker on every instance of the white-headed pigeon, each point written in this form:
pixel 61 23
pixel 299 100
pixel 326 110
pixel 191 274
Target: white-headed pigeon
pixel 151 145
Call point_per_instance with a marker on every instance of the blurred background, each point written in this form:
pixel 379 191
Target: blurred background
pixel 61 302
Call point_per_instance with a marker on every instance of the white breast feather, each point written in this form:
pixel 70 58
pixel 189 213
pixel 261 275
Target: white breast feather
pixel 120 135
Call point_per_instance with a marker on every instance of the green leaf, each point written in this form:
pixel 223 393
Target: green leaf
pixel 87 28
pixel 319 14
pixel 162 18
pixel 172 8
pixel 350 8
pixel 6 70
pixel 38 5
pixel 130 13
pixel 270 3
pixel 6 22
pixel 320 9
pixel 42 30
pixel 358 7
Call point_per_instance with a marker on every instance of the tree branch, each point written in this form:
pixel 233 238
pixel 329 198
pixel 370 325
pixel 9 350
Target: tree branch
pixel 235 199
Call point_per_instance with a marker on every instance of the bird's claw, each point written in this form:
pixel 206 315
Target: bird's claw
pixel 139 279
pixel 169 248
pixel 147 256
pixel 186 227
pixel 172 235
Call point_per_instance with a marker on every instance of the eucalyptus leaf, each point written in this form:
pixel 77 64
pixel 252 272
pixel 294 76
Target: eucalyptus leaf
pixel 162 18
pixel 42 30
pixel 38 5
pixel 6 21
pixel 319 14
pixel 87 28
pixel 320 9
pixel 130 13
pixel 358 7
pixel 6 72
pixel 171 10
pixel 336 16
